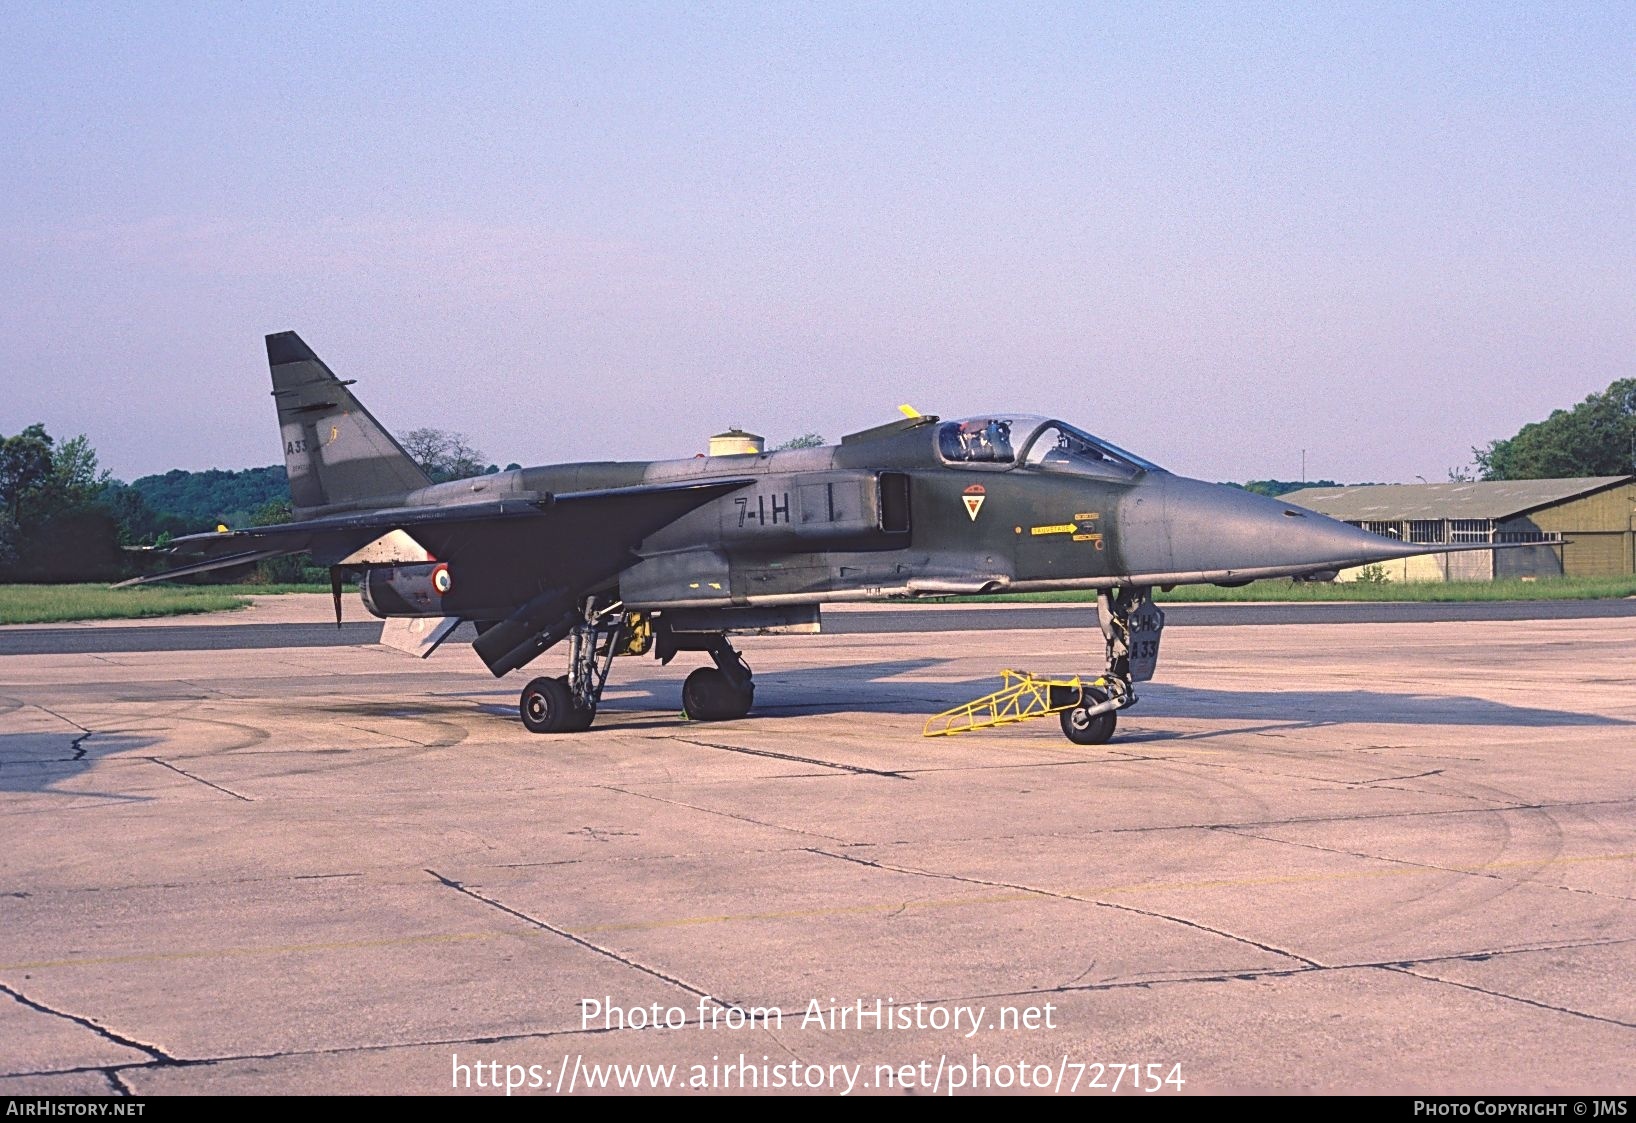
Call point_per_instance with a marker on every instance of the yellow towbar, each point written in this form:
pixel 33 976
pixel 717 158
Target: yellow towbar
pixel 1022 697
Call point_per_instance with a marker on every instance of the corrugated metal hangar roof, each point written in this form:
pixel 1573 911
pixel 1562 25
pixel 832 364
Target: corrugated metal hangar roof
pixel 1488 499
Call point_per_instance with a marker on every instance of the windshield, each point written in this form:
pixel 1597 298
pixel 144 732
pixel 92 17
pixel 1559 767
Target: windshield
pixel 1003 442
pixel 1062 448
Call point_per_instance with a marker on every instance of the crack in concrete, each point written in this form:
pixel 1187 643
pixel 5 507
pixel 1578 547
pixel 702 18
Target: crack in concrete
pixel 343 1050
pixel 103 1032
pixel 729 815
pixel 1072 897
pixel 1509 997
pixel 59 717
pixel 1334 781
pixel 1414 864
pixel 198 779
pixel 856 769
pixel 1065 988
pixel 580 940
pixel 116 1082
pixel 1383 779
pixel 394 736
pixel 1111 758
pixel 1357 817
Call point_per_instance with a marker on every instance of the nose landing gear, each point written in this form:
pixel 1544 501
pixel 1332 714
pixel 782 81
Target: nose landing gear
pixel 1131 624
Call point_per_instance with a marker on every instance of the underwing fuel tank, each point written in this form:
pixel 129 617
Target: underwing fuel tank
pixel 408 590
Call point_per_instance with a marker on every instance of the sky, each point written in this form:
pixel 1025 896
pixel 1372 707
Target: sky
pixel 1216 234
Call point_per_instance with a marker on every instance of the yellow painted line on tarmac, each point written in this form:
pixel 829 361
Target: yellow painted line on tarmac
pixel 1088 895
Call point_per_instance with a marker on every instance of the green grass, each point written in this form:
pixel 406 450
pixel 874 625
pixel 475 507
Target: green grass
pixel 53 604
pixel 49 604
pixel 1562 588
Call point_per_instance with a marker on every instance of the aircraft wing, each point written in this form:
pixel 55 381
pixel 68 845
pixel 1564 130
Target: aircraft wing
pixel 571 534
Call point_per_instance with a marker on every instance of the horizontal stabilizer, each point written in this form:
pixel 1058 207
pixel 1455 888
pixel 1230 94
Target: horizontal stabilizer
pixel 227 561
pixel 604 526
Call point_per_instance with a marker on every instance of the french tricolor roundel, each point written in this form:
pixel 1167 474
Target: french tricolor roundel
pixel 973 499
pixel 441 581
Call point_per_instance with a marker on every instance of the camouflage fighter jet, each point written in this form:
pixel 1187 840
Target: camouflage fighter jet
pixel 676 556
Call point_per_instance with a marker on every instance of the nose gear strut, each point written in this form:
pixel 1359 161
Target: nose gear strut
pixel 1131 625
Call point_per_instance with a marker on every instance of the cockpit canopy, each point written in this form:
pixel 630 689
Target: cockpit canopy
pixel 1035 442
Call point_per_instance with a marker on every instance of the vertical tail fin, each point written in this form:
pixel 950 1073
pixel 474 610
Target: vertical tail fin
pixel 335 451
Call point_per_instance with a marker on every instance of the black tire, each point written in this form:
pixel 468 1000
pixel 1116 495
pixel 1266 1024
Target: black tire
pixel 1082 729
pixel 547 706
pixel 707 695
pixel 581 718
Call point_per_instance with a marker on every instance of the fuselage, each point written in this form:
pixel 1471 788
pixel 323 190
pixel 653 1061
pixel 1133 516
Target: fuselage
pixel 926 508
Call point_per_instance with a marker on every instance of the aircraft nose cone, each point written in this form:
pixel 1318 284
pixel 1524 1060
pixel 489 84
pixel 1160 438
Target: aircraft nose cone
pixel 1177 525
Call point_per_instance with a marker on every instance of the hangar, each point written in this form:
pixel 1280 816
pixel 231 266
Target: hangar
pixel 1584 527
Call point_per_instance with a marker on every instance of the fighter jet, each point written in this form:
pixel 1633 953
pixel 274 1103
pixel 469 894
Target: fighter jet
pixel 676 556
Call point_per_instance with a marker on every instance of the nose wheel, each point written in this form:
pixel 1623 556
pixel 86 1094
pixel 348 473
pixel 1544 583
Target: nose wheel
pixel 1089 723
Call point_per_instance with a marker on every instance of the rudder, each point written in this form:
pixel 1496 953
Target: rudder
pixel 335 451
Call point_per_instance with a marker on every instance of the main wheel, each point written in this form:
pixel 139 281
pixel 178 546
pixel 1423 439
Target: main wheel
pixel 582 718
pixel 547 706
pixel 708 695
pixel 1085 729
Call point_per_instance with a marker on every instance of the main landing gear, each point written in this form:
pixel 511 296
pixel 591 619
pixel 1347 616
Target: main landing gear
pixel 1131 624
pixel 568 703
pixel 722 692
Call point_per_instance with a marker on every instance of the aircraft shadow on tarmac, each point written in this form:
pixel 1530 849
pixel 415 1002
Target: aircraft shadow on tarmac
pixel 38 762
pixel 879 688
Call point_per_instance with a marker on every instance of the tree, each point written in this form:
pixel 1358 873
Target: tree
pixel 54 527
pixel 1276 488
pixel 277 571
pixel 444 455
pixel 25 464
pixel 274 512
pixel 74 481
pixel 8 541
pixel 805 440
pixel 197 501
pixel 1595 438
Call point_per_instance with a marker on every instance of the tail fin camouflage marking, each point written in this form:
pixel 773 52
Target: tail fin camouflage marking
pixel 335 451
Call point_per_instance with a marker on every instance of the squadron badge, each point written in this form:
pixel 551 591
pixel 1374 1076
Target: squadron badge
pixel 974 500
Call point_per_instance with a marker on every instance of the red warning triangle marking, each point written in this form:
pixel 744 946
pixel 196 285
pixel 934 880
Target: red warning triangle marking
pixel 974 503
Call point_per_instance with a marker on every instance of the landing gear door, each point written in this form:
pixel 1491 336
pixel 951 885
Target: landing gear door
pixel 1145 625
